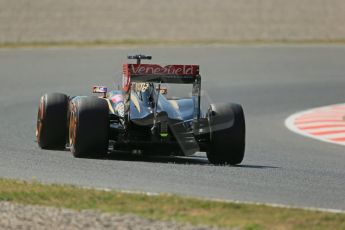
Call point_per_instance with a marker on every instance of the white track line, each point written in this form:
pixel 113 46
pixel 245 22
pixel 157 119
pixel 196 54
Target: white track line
pixel 329 210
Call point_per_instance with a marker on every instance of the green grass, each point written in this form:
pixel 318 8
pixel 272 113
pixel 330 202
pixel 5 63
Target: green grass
pixel 139 42
pixel 169 207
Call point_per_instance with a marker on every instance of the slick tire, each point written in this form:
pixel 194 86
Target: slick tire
pixel 227 134
pixel 51 129
pixel 89 127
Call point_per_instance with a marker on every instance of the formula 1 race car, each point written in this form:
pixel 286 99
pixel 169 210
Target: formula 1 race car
pixel 140 118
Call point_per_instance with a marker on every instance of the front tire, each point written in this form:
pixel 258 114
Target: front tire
pixel 51 129
pixel 89 127
pixel 227 134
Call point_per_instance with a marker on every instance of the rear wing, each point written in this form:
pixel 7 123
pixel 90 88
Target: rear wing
pixel 183 74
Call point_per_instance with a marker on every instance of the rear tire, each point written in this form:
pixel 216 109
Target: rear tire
pixel 227 134
pixel 51 129
pixel 89 127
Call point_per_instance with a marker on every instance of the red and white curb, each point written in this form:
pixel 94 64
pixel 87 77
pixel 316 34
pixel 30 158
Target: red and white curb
pixel 324 123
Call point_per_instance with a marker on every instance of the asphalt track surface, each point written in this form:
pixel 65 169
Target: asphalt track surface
pixel 271 82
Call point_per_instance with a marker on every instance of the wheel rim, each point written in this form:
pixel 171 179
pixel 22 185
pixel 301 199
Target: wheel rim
pixel 72 127
pixel 209 119
pixel 40 117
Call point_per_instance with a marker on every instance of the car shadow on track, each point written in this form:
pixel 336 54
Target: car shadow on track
pixel 197 159
pixel 194 160
pixel 255 166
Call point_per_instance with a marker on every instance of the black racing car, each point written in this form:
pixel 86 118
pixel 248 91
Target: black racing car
pixel 140 118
